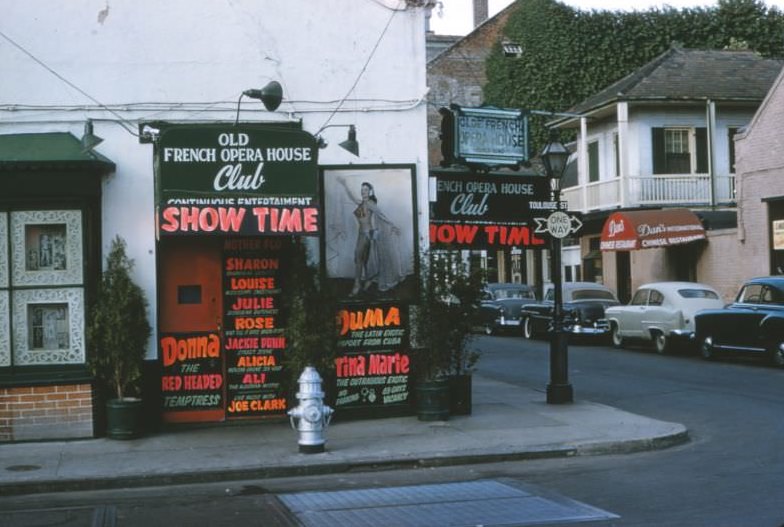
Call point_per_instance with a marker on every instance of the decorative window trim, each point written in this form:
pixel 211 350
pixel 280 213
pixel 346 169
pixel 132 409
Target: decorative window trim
pixel 75 353
pixel 4 249
pixel 73 273
pixel 5 334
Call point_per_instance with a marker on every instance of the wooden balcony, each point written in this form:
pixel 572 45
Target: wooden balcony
pixel 661 190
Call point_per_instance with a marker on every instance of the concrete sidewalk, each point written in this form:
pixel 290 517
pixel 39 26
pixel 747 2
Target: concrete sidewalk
pixel 508 422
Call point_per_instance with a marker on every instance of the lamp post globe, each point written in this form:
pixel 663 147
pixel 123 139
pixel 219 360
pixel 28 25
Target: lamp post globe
pixel 554 157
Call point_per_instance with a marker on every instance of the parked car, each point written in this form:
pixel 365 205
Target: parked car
pixel 501 303
pixel 752 325
pixel 662 313
pixel 583 307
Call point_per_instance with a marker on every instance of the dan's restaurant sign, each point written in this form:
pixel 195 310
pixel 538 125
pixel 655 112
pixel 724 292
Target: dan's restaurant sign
pixel 246 179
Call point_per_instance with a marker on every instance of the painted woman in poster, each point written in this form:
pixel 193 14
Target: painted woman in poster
pixel 377 251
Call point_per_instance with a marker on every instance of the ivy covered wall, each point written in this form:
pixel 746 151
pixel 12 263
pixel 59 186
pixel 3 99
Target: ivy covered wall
pixel 569 54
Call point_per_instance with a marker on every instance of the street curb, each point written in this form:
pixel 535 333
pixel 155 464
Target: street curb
pixel 316 469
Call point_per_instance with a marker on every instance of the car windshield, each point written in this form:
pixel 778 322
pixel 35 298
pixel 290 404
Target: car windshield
pixel 500 294
pixel 591 294
pixel 697 293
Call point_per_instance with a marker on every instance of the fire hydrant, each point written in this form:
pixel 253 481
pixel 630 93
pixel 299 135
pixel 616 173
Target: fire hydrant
pixel 313 414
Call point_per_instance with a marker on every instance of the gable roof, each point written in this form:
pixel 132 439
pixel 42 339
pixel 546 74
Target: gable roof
pixel 692 74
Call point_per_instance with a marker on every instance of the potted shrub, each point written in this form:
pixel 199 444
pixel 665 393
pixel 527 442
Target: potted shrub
pixel 117 334
pixel 309 310
pixel 442 329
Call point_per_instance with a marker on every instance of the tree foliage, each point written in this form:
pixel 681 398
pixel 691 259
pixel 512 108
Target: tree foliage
pixel 568 55
pixel 118 329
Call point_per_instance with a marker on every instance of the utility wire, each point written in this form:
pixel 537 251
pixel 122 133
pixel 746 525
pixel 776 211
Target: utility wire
pixel 361 72
pixel 122 121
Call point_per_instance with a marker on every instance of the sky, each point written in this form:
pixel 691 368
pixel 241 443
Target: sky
pixel 456 16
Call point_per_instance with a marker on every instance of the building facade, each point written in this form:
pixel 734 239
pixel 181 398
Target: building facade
pixel 657 140
pixel 169 90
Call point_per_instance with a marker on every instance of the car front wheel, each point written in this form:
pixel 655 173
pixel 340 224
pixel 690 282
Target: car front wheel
pixel 528 328
pixel 617 339
pixel 661 342
pixel 488 329
pixel 706 349
pixel 777 355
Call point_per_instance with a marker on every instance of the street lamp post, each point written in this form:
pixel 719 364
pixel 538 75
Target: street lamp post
pixel 559 391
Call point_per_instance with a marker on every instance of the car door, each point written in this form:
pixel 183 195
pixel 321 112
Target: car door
pixel 658 314
pixel 631 324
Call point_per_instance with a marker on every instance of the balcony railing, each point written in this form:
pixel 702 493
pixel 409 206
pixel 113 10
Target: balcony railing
pixel 658 190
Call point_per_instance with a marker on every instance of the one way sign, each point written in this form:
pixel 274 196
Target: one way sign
pixel 558 224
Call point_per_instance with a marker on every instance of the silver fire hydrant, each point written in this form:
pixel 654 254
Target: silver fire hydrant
pixel 313 414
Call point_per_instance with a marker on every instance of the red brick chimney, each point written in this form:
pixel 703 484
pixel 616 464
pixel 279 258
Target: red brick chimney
pixel 480 12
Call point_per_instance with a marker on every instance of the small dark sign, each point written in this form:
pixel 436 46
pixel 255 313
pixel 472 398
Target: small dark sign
pixel 485 136
pixel 192 365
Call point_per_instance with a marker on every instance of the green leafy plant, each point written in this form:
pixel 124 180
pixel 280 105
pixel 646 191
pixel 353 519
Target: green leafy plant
pixel 445 316
pixel 118 329
pixel 309 310
pixel 569 55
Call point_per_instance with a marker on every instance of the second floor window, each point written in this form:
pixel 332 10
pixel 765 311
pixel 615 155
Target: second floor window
pixel 593 161
pixel 680 150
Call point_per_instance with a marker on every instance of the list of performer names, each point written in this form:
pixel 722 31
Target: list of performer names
pixel 253 339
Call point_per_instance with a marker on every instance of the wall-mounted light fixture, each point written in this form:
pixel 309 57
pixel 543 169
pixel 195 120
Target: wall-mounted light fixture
pixel 270 96
pixel 350 144
pixel 89 139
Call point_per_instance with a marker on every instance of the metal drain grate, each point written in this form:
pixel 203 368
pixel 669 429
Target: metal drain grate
pixel 464 504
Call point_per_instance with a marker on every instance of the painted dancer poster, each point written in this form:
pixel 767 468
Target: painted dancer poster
pixel 253 334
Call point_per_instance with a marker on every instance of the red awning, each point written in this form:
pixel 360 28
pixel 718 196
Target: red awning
pixel 648 229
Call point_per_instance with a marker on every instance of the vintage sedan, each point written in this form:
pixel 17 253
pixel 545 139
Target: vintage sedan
pixel 752 325
pixel 501 303
pixel 583 308
pixel 661 313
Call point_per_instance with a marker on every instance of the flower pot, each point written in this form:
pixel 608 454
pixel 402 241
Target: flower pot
pixel 123 418
pixel 460 394
pixel 433 399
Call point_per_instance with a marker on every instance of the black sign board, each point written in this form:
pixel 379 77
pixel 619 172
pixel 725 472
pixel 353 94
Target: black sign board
pixel 481 211
pixel 224 179
pixel 485 136
pixel 254 337
pixel 372 369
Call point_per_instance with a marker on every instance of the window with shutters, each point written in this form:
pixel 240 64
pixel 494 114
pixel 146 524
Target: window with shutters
pixel 680 150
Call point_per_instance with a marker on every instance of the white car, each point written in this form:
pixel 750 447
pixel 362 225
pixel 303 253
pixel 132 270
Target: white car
pixel 661 313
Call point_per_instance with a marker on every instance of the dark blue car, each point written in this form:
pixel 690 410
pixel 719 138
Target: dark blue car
pixel 752 325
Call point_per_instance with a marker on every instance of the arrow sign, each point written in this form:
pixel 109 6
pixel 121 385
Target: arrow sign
pixel 558 224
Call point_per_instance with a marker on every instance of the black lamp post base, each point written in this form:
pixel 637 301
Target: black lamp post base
pixel 559 394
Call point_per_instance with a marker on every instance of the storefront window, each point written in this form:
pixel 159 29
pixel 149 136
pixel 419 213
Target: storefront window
pixel 41 288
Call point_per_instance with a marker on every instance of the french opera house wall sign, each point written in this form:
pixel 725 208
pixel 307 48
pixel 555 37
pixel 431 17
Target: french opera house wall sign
pixel 228 197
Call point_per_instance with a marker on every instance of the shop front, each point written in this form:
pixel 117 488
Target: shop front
pixel 230 200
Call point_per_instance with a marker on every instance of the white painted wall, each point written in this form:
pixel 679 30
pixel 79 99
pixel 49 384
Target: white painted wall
pixel 356 62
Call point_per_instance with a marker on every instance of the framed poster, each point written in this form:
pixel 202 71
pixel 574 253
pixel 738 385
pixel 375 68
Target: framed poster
pixel 778 235
pixel 370 231
pixel 3 250
pixel 48 326
pixel 47 247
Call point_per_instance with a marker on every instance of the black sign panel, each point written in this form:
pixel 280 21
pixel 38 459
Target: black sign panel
pixel 224 179
pixel 485 136
pixel 373 365
pixel 482 211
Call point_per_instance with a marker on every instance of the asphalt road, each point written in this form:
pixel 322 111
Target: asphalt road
pixel 730 474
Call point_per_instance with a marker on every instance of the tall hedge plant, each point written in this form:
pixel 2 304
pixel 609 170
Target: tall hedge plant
pixel 118 329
